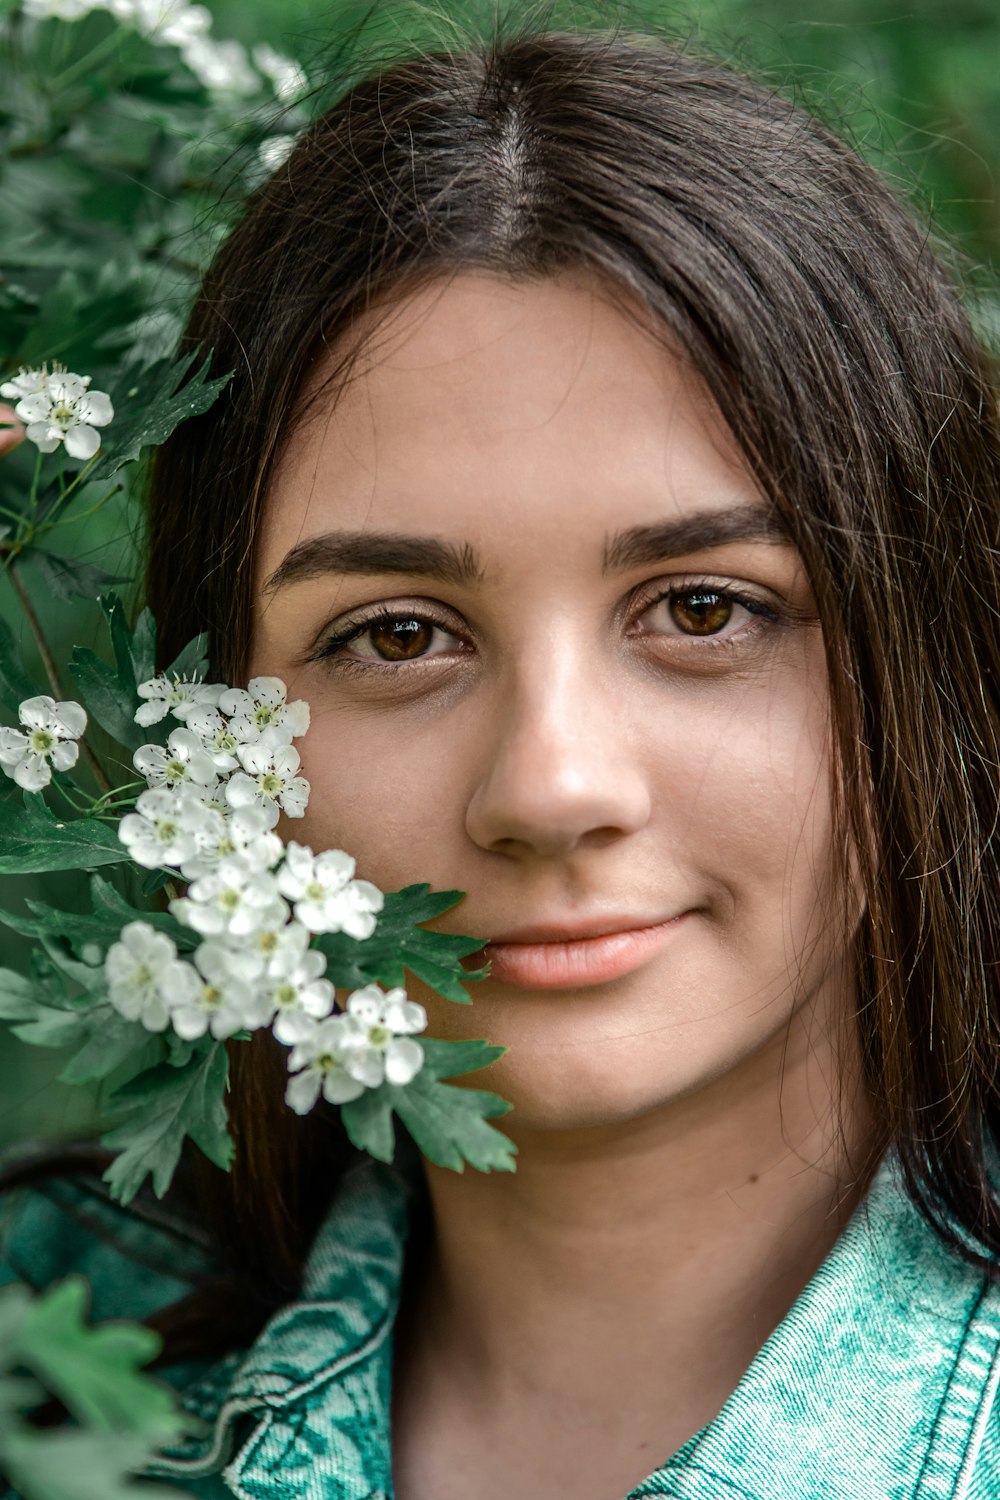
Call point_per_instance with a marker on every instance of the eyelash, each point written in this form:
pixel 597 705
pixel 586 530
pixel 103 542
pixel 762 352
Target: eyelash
pixel 764 616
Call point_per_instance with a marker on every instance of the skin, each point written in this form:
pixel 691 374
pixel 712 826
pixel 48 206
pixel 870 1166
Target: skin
pixel 561 746
pixel 12 434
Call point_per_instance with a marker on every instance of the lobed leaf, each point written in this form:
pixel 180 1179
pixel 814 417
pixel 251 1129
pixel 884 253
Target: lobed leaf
pixel 67 577
pixel 151 402
pixel 94 1371
pixel 163 1107
pixel 105 699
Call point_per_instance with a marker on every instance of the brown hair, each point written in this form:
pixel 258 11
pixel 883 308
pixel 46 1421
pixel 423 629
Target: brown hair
pixel 836 348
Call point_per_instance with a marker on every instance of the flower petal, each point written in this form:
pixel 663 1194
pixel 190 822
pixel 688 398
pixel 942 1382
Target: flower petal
pixel 33 773
pixel 82 441
pixel 404 1058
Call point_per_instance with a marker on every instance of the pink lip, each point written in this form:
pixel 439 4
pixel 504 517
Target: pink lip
pixel 547 959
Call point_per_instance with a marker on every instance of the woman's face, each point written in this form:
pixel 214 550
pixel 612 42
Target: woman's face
pixel 560 657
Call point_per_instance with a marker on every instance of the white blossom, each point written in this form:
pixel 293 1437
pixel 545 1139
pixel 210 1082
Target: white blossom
pixel 274 152
pixel 268 777
pixel 236 899
pixel 285 75
pixel 25 383
pixel 169 828
pixel 261 707
pixel 222 67
pixel 324 895
pixel 183 762
pixel 223 998
pixel 63 410
pixel 179 696
pixel 297 993
pixel 320 1057
pixel 47 741
pixel 380 1045
pixel 145 976
pixel 217 737
pixel 244 831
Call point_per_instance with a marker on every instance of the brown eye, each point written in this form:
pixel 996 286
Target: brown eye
pixel 701 612
pixel 402 639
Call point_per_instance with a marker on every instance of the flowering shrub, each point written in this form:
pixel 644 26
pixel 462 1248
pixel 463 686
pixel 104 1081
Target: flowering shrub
pixel 125 125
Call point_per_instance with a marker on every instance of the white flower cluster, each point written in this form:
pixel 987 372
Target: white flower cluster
pixel 59 407
pixel 223 67
pixel 215 792
pixel 48 739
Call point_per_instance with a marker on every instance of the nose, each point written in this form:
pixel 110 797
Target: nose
pixel 558 773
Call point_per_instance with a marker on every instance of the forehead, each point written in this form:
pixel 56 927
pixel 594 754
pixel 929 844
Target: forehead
pixel 503 411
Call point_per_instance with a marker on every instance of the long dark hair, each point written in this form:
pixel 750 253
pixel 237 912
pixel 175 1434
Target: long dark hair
pixel 833 341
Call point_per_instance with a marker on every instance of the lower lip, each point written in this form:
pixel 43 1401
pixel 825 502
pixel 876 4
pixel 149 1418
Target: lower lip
pixel 581 962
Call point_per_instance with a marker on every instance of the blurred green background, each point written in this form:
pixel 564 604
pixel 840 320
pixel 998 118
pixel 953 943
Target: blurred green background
pixel 915 84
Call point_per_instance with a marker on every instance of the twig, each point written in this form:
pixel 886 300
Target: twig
pixel 51 671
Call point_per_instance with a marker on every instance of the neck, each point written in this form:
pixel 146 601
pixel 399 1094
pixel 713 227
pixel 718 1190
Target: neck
pixel 651 1258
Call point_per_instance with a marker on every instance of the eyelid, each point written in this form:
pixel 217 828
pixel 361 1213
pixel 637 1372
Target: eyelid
pixel 346 627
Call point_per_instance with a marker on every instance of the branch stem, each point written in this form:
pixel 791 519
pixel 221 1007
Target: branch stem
pixel 48 662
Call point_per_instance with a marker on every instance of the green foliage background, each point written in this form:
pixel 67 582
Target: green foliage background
pixel 915 85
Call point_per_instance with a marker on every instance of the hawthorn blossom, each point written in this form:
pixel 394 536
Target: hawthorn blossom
pixel 183 762
pixel 283 73
pixel 245 831
pixel 25 383
pixel 217 737
pixel 296 993
pixel 61 409
pixel 380 1045
pixel 236 899
pixel 318 1062
pixel 261 707
pixel 268 777
pixel 179 696
pixel 46 742
pixel 221 999
pixel 145 976
pixel 324 895
pixel 169 828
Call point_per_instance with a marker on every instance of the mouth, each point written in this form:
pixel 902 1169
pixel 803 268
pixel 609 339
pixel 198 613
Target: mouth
pixel 553 958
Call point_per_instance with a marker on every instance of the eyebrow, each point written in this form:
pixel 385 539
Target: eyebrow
pixel 711 528
pixel 376 552
pixel 393 552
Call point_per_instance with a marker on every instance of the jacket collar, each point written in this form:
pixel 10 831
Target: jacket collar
pixel 876 1385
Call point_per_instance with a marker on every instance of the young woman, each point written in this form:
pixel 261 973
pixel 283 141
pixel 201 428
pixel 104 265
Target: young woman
pixel 609 463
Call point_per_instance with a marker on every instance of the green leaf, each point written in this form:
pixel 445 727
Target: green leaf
pixel 447 1123
pixel 455 1059
pixel 33 840
pixel 94 1371
pixel 143 647
pixel 399 944
pixel 72 1465
pixel 105 699
pixel 15 683
pixel 111 1043
pixel 102 926
pixel 192 661
pixel 17 997
pixel 67 577
pixel 164 1106
pixel 150 403
pixel 121 642
pixel 368 1122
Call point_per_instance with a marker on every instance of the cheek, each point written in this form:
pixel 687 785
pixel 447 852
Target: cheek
pixel 392 795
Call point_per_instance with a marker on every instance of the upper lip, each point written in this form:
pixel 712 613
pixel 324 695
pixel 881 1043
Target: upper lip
pixel 573 931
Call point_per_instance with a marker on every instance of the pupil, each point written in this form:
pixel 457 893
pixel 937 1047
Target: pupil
pixel 701 614
pixel 399 640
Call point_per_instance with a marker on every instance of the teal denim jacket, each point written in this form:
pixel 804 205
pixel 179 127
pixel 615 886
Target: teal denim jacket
pixel 881 1383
